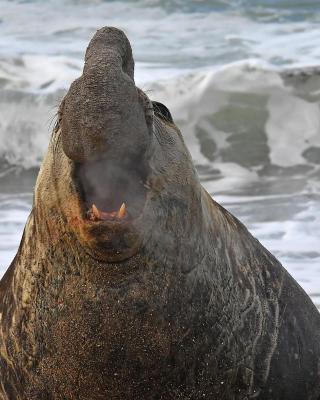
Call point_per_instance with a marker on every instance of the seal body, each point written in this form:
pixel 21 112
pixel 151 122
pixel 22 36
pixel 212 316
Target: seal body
pixel 170 299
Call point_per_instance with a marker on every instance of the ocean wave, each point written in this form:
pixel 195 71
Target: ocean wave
pixel 245 119
pixel 26 120
pixel 42 43
pixel 263 119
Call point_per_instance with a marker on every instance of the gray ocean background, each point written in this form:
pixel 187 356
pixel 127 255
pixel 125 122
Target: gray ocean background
pixel 239 77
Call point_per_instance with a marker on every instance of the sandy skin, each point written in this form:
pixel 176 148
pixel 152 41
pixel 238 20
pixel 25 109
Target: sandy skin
pixel 168 297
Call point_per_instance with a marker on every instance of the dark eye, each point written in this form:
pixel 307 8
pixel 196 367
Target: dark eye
pixel 161 111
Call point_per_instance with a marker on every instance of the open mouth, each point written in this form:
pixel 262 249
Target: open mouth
pixel 111 191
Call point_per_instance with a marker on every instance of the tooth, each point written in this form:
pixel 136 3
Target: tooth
pixel 122 211
pixel 96 212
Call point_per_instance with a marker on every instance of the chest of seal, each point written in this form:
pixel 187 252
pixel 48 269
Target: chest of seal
pixel 130 281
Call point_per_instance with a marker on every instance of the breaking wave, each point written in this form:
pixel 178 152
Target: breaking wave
pixel 243 118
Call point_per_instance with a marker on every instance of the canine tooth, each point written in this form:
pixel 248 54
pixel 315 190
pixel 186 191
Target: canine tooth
pixel 95 211
pixel 122 211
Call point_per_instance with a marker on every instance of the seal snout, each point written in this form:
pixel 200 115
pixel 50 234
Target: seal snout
pixel 103 114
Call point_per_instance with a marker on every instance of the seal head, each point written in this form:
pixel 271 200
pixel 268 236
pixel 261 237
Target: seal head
pixel 110 136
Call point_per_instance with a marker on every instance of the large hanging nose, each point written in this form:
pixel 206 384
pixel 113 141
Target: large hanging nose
pixel 103 112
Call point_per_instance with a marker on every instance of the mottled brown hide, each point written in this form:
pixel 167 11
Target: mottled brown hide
pixel 176 300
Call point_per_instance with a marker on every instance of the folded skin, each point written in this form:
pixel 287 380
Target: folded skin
pixel 130 281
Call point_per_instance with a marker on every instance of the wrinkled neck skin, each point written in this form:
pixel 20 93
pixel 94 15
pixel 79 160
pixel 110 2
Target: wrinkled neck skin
pixel 70 313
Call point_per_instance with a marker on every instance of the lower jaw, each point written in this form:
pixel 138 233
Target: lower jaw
pixel 112 256
pixel 109 242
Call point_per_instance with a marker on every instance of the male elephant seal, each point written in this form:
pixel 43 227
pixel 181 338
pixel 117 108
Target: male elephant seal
pixel 130 282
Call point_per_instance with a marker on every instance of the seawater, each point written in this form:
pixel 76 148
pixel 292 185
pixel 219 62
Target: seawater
pixel 222 67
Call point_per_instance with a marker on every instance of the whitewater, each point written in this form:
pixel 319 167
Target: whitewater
pixel 241 81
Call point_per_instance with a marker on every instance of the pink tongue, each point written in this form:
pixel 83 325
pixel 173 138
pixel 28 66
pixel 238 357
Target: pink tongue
pixel 97 215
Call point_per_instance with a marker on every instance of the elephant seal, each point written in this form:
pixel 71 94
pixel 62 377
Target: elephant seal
pixel 130 282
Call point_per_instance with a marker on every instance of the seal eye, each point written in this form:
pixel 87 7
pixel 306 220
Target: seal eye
pixel 161 111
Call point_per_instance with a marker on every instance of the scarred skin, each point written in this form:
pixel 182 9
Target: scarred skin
pixel 180 302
